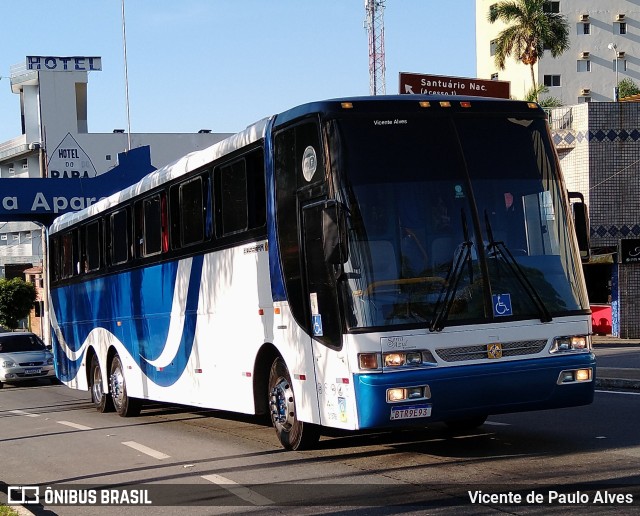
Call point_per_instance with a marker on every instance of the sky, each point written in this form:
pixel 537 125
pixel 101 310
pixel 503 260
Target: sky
pixel 224 64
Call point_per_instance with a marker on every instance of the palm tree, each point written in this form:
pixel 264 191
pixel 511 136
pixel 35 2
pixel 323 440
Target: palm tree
pixel 531 30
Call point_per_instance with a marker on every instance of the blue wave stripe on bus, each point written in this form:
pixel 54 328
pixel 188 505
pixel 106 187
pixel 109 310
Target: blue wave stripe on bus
pixel 170 374
pixel 141 301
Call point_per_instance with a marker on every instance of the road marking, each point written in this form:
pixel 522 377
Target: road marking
pixel 75 425
pixel 24 413
pixel 240 491
pixel 146 450
pixel 620 392
pixel 495 423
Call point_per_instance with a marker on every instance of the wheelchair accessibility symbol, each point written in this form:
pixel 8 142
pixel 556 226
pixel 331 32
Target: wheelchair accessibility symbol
pixel 501 305
pixel 317 325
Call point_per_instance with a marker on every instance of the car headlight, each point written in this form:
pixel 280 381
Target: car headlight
pixel 50 361
pixel 575 343
pixel 9 363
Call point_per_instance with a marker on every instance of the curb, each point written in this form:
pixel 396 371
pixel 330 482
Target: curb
pixel 618 383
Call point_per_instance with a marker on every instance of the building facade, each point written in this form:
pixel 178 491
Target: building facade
pixel 599 149
pixel 56 143
pixel 604 49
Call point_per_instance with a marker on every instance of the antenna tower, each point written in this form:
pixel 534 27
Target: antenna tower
pixel 375 28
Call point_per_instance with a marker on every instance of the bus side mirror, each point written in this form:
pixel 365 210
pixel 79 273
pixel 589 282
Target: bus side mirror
pixel 334 233
pixel 581 223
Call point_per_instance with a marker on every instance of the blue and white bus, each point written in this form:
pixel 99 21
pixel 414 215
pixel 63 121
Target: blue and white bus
pixel 365 263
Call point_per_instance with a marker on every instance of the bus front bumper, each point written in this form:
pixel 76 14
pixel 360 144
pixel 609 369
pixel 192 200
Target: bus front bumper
pixel 461 392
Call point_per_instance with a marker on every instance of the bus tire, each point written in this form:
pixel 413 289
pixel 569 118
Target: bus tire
pixel 124 405
pixel 100 399
pixel 292 433
pixel 466 424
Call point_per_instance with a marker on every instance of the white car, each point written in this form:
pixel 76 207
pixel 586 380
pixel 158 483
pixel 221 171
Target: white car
pixel 23 356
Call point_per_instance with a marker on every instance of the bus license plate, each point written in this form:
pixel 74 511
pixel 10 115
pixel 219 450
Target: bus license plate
pixel 412 412
pixel 33 370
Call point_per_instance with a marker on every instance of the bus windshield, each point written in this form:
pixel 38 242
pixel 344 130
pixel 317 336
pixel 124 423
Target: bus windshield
pixel 452 221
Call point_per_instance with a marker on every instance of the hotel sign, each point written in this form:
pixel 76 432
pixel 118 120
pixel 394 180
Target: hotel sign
pixel 442 85
pixel 64 64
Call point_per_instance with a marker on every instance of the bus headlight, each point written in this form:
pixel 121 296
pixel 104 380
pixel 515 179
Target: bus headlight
pixel 575 376
pixel 408 393
pixel 573 343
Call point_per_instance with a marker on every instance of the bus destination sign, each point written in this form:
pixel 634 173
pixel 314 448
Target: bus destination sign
pixel 442 85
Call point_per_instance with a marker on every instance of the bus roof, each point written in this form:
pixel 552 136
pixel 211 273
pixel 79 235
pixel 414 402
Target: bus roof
pixel 183 165
pixel 257 131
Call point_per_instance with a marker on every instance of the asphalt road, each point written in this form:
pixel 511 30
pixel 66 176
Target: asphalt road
pixel 50 436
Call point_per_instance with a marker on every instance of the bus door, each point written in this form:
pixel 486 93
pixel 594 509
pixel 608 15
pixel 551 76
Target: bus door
pixel 335 389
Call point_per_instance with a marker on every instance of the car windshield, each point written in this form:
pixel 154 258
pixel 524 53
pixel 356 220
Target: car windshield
pixel 463 222
pixel 17 343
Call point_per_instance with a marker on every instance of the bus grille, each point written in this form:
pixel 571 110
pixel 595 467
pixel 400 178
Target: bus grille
pixel 479 352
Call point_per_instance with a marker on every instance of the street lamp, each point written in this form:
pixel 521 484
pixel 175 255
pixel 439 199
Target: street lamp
pixel 614 47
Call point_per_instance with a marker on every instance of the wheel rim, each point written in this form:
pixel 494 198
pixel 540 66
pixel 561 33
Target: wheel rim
pixel 116 381
pixel 96 388
pixel 282 405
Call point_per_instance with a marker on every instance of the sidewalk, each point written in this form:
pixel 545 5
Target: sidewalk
pixel 626 378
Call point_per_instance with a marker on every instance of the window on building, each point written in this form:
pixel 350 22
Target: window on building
pixel 620 65
pixel 622 28
pixel 584 65
pixel 551 80
pixel 551 7
pixel 492 47
pixel 494 76
pixel 582 100
pixel 586 28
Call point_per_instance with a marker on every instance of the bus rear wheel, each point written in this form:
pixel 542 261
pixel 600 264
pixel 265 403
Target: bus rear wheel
pixel 124 405
pixel 101 400
pixel 292 433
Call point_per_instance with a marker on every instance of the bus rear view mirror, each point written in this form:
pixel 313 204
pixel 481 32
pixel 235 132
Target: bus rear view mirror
pixel 581 223
pixel 334 233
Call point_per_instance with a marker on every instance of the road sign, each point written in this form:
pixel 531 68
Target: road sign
pixel 442 85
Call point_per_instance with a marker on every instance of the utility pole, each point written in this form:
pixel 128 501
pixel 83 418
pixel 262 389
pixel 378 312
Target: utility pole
pixel 374 24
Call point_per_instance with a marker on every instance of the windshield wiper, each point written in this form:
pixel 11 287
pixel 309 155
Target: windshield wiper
pixel 503 251
pixel 448 293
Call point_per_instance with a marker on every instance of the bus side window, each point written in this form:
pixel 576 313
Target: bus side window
pixel 191 212
pixel 147 238
pixel 233 197
pixel 152 234
pixel 93 246
pixel 119 237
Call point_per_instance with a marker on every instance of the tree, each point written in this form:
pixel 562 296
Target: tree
pixel 626 88
pixel 547 102
pixel 17 297
pixel 531 30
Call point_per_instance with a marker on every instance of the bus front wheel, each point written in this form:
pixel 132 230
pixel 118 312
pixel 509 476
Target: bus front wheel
pixel 101 400
pixel 124 405
pixel 292 433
